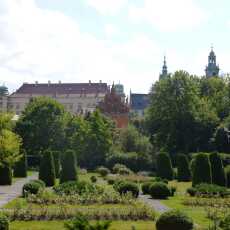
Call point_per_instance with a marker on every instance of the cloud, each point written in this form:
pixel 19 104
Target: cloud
pixel 111 30
pixel 168 15
pixel 107 7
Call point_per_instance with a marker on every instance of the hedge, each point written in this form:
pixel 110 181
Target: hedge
pixel 164 166
pixel 183 169
pixel 5 175
pixel 20 168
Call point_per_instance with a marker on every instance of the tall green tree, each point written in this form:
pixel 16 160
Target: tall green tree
pixel 183 169
pixel 3 90
pixel 42 125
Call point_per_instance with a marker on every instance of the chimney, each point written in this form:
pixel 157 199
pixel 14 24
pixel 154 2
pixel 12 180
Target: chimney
pixel 49 82
pixel 100 81
pixel 36 83
pixel 59 82
pixel 89 81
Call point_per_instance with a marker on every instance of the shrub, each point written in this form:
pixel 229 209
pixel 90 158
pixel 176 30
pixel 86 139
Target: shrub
pixel 47 170
pixel 145 187
pixel 32 187
pixel 191 191
pixel 40 182
pixel 183 169
pixel 174 220
pixel 57 163
pixel 159 190
pixel 227 171
pixel 5 175
pixel 125 171
pixel 111 181
pixel 117 167
pixel 20 168
pixel 202 170
pixel 69 168
pixel 225 223
pixel 158 179
pixel 93 179
pixel 4 222
pixel 172 190
pixel 124 187
pixel 218 174
pixel 103 171
pixel 164 166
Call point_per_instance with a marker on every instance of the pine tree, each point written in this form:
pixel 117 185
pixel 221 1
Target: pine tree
pixel 47 170
pixel 69 167
pixel 164 166
pixel 20 168
pixel 183 169
pixel 218 173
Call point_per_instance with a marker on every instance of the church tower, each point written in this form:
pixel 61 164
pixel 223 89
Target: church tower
pixel 164 72
pixel 212 69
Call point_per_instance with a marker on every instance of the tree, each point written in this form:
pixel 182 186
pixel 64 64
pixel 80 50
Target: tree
pixel 20 168
pixel 47 170
pixel 69 167
pixel 183 169
pixel 218 173
pixel 41 126
pixel 3 91
pixel 201 170
pixel 164 166
pixel 57 163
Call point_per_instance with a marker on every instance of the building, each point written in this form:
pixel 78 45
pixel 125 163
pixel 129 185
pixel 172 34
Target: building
pixel 164 73
pixel 139 103
pixel 77 98
pixel 212 69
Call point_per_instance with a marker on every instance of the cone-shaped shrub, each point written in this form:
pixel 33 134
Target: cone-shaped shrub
pixel 5 175
pixel 227 171
pixel 218 174
pixel 47 170
pixel 69 167
pixel 57 163
pixel 183 169
pixel 164 166
pixel 4 222
pixel 20 168
pixel 201 170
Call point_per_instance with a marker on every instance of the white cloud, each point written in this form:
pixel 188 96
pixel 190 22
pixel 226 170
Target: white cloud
pixel 168 15
pixel 107 7
pixel 111 30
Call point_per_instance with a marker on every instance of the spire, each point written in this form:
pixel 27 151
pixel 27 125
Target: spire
pixel 212 69
pixel 164 73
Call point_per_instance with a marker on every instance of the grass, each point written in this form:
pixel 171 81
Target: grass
pixel 59 225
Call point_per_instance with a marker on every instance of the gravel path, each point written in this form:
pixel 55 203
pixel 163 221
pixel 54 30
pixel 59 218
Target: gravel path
pixel 8 193
pixel 155 204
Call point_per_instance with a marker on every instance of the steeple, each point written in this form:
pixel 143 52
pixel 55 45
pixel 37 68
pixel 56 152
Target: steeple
pixel 164 73
pixel 212 69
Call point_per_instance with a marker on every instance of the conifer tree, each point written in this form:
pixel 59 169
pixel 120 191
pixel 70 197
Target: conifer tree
pixel 20 168
pixel 183 169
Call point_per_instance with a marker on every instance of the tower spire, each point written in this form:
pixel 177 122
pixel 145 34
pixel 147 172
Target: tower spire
pixel 164 72
pixel 212 69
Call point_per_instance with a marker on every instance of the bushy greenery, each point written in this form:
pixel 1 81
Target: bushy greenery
pixel 103 171
pixel 145 187
pixel 4 222
pixel 183 169
pixel 164 166
pixel 227 171
pixel 174 220
pixel 117 167
pixel 57 163
pixel 218 173
pixel 191 191
pixel 69 167
pixel 159 190
pixel 225 223
pixel 20 168
pixel 5 175
pixel 47 170
pixel 93 179
pixel 32 187
pixel 124 187
pixel 201 170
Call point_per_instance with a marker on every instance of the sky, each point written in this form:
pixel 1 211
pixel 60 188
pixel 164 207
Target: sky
pixel 110 40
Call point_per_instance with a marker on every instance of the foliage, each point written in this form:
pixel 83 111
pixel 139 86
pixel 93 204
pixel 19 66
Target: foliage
pixel 191 191
pixel 47 170
pixel 124 187
pixel 117 167
pixel 80 222
pixel 103 171
pixel 164 166
pixel 5 175
pixel 174 220
pixel 41 125
pixel 69 167
pixel 4 222
pixel 32 187
pixel 159 190
pixel 172 190
pixel 202 170
pixel 20 168
pixel 183 169
pixel 93 179
pixel 218 173
pixel 145 187
pixel 225 223
pixel 3 91
pixel 227 171
pixel 57 163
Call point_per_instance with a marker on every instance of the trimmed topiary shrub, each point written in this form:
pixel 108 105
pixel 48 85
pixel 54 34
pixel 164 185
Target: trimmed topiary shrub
pixel 145 187
pixel 4 222
pixel 227 172
pixel 159 190
pixel 32 187
pixel 103 171
pixel 47 170
pixel 183 169
pixel 191 191
pixel 174 220
pixel 117 167
pixel 111 181
pixel 69 167
pixel 172 190
pixel 124 187
pixel 20 168
pixel 93 179
pixel 5 175
pixel 40 182
pixel 164 166
pixel 202 170
pixel 57 163
pixel 218 174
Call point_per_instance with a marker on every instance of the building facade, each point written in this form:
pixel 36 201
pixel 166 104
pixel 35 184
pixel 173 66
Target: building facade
pixel 77 98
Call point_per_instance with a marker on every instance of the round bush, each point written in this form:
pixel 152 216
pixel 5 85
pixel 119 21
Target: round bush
pixel 103 171
pixel 164 166
pixel 125 187
pixel 145 187
pixel 174 220
pixel 40 182
pixel 31 188
pixel 159 190
pixel 125 171
pixel 111 181
pixel 117 167
pixel 4 222
pixel 93 179
pixel 191 191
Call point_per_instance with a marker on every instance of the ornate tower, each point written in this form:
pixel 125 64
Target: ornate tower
pixel 212 69
pixel 164 72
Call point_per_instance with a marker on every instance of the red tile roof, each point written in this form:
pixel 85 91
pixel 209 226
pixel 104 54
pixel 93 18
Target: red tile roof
pixel 63 88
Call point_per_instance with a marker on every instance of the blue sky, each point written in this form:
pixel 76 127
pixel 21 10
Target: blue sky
pixel 108 40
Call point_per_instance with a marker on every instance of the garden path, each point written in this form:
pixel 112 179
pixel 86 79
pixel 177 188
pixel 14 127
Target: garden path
pixel 8 193
pixel 155 204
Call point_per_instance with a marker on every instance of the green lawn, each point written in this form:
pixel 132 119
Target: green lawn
pixel 59 225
